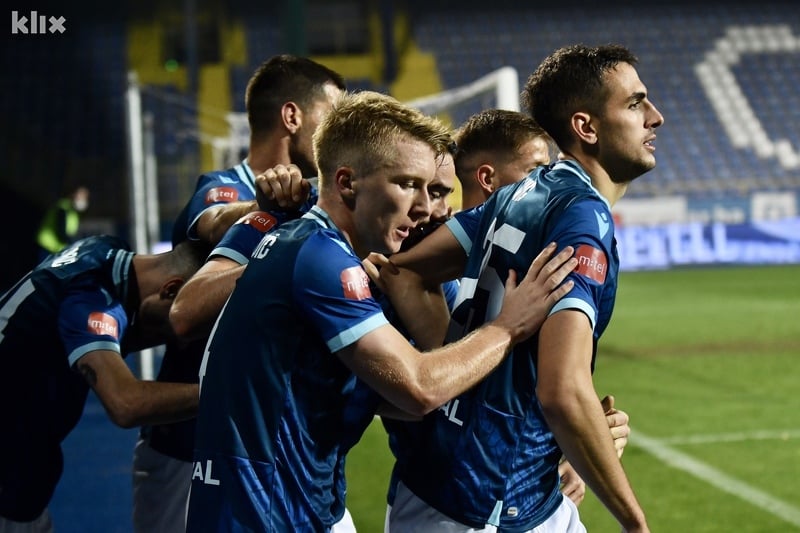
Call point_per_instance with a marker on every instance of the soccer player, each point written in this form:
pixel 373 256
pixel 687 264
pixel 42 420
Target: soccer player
pixel 201 298
pixel 286 97
pixel 497 147
pixel 65 328
pixel 540 402
pixel 275 420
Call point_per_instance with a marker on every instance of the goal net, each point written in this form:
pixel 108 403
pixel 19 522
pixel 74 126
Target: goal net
pixel 496 90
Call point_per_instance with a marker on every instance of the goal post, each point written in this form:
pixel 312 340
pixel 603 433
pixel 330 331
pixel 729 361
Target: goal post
pixel 498 89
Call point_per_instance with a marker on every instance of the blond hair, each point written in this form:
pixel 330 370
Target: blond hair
pixel 362 129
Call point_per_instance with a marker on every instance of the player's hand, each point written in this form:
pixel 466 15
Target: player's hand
pixel 281 187
pixel 618 423
pixel 527 304
pixel 572 486
pixel 373 264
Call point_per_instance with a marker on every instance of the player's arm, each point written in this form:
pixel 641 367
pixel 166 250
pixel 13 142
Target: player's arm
pixel 200 300
pixel 216 220
pixel 574 414
pixel 572 485
pixel 419 383
pixel 412 280
pixel 131 402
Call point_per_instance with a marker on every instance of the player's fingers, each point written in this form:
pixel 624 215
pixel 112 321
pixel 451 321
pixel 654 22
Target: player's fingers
pixel 295 183
pixel 541 260
pixel 511 281
pixel 265 181
pixel 372 271
pixel 382 262
pixel 572 486
pixel 608 403
pixel 554 271
pixel 618 421
pixel 619 445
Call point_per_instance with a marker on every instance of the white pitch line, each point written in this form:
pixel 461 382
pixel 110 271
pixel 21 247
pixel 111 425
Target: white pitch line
pixel 780 434
pixel 672 457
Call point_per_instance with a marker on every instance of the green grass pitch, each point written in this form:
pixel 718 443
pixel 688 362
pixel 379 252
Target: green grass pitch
pixel 707 363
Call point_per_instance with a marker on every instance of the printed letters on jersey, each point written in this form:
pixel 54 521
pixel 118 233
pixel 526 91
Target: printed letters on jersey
pixel 355 283
pixel 222 194
pixel 592 263
pixel 260 220
pixel 103 324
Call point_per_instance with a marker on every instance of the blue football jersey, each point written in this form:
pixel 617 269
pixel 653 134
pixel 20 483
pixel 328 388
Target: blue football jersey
pixel 181 361
pixel 72 303
pixel 278 409
pixel 488 456
pixel 242 238
pixel 235 184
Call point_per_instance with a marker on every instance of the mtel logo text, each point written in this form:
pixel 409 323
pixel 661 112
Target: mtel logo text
pixel 35 24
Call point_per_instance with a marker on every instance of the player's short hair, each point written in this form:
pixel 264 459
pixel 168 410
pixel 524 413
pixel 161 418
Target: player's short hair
pixel 362 129
pixel 186 258
pixel 570 80
pixel 285 78
pixel 494 130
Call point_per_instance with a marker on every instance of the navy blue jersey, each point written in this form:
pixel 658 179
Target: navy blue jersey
pixel 277 411
pixel 219 187
pixel 74 302
pixel 401 433
pixel 181 361
pixel 488 456
pixel 242 238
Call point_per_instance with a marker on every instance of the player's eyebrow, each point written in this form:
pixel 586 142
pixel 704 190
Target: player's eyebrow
pixel 637 96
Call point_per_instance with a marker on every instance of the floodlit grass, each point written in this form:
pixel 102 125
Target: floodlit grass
pixel 709 354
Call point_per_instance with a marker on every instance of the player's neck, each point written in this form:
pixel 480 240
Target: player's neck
pixel 267 153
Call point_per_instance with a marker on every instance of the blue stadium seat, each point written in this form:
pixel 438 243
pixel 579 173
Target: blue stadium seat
pixel 694 151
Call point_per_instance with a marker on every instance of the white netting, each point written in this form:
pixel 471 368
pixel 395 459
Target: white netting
pixel 498 89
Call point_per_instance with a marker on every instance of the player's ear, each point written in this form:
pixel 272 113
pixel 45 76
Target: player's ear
pixel 344 181
pixel 292 117
pixel 584 128
pixel 169 290
pixel 484 175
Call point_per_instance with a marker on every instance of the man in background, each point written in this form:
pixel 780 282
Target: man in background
pixel 60 224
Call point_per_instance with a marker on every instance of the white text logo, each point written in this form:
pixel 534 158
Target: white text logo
pixel 38 24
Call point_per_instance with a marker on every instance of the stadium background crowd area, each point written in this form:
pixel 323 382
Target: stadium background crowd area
pixel 64 101
pixel 64 105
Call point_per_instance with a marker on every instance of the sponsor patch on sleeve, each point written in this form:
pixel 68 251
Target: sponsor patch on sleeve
pixel 222 194
pixel 260 220
pixel 355 283
pixel 103 324
pixel 592 263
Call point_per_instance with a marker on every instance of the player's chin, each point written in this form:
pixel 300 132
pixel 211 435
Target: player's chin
pixel 393 246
